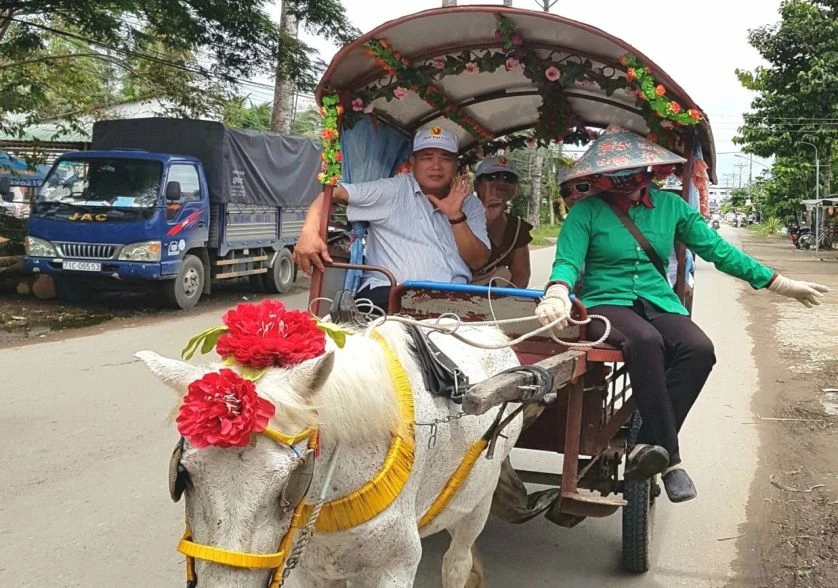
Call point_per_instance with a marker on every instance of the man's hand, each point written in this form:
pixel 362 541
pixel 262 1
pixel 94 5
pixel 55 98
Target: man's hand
pixel 311 251
pixel 555 306
pixel 808 293
pixel 452 206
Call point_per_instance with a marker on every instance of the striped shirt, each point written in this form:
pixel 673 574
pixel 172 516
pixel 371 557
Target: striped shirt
pixel 407 235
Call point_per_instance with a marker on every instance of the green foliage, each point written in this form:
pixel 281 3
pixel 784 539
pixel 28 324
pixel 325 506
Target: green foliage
pixel 798 89
pixel 68 58
pixel 240 116
pixel 545 234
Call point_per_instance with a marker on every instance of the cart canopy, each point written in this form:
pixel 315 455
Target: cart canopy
pixel 486 72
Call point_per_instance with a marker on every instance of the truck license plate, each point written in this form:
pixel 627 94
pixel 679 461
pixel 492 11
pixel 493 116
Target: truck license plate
pixel 83 266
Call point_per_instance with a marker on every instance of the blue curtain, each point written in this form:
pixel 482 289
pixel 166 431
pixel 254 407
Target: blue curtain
pixel 371 151
pixel 693 189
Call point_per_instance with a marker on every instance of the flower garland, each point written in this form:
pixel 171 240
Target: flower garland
pixel 222 408
pixel 653 96
pixel 331 111
pixel 416 80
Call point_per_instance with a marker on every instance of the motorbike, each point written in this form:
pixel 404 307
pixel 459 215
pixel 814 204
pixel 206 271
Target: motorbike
pixel 800 237
pixel 714 224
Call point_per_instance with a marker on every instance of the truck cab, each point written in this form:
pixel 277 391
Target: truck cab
pixel 124 215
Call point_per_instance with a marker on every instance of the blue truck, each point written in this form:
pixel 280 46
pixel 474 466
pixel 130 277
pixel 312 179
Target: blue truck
pixel 171 205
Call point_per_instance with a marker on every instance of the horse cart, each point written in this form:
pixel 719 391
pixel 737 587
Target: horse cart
pixel 504 79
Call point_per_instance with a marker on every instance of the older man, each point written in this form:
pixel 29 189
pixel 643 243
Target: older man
pixel 424 225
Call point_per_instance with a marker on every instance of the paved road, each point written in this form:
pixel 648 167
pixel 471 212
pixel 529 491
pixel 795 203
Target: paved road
pixel 83 498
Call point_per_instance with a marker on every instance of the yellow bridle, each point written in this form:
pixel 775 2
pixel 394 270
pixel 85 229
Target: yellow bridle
pixel 262 561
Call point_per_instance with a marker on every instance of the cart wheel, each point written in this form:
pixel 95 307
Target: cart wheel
pixel 638 514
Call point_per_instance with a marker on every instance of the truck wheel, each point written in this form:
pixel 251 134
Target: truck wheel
pixel 638 514
pixel 280 277
pixel 185 290
pixel 72 289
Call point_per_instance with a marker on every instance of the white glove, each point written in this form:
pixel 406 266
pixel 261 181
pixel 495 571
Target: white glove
pixel 555 306
pixel 807 293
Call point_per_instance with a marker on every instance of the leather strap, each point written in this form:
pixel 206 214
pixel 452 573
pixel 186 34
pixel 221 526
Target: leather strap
pixel 640 238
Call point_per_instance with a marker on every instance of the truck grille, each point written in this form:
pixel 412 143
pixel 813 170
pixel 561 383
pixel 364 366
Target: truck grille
pixel 86 250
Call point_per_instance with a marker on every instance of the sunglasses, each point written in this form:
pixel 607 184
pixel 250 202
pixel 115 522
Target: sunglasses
pixel 507 177
pixel 580 188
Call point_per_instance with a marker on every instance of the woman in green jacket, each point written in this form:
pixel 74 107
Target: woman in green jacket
pixel 668 356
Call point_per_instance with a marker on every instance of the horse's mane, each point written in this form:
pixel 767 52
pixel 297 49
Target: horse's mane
pixel 357 401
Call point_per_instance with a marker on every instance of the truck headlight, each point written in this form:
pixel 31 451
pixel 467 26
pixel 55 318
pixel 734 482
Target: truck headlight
pixel 39 247
pixel 145 251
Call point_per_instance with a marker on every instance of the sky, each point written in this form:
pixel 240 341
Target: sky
pixel 699 44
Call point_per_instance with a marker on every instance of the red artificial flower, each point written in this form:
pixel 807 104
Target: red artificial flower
pixel 673 107
pixel 338 156
pixel 660 90
pixel 631 74
pixel 328 134
pixel 266 334
pixel 222 409
pixel 694 113
pixel 339 109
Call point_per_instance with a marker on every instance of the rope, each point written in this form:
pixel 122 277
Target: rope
pixel 308 531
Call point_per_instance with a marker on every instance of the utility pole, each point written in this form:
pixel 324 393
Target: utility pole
pixel 817 192
pixel 545 5
pixel 446 3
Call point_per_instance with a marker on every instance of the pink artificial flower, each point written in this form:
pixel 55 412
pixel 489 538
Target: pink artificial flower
pixel 357 105
pixel 368 109
pixel 517 39
pixel 438 63
pixel 471 68
pixel 552 73
pixel 512 63
pixel 400 93
pixel 530 142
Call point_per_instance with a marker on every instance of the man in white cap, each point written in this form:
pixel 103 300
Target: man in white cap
pixel 423 225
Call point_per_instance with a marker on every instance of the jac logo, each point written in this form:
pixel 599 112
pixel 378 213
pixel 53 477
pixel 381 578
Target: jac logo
pixel 78 216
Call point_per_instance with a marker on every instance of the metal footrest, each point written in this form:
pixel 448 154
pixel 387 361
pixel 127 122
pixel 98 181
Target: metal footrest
pixel 585 505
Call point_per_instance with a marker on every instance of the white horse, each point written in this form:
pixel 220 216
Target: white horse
pixel 234 494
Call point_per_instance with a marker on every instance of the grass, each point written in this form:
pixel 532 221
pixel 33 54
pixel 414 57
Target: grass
pixel 545 234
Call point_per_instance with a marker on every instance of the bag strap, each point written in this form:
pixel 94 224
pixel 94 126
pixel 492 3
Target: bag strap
pixel 494 264
pixel 640 238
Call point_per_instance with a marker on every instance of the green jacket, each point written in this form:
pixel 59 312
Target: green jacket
pixel 618 271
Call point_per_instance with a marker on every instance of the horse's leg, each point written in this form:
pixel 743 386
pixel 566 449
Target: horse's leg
pixel 461 568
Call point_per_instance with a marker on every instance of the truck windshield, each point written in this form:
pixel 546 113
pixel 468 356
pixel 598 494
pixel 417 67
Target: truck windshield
pixel 105 182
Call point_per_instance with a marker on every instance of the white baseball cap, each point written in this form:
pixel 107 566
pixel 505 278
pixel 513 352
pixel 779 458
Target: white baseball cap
pixel 435 138
pixel 496 163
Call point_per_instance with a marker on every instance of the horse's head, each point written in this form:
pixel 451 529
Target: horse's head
pixel 240 498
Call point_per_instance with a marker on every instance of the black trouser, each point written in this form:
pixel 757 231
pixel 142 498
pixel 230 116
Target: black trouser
pixel 669 359
pixel 379 296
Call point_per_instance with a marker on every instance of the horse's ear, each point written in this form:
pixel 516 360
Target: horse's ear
pixel 314 373
pixel 177 374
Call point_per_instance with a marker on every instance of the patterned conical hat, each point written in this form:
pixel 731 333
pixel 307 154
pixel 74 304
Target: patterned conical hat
pixel 617 149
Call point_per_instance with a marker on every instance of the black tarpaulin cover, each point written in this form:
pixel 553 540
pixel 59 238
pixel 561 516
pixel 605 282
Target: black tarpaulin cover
pixel 242 166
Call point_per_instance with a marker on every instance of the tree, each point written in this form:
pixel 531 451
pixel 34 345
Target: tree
pixel 798 91
pixel 297 67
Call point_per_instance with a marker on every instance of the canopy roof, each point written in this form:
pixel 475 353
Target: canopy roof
pixel 463 55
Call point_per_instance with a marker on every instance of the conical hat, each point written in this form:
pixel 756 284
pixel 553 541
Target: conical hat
pixel 617 149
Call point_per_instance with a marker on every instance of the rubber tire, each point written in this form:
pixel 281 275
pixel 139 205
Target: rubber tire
pixel 72 289
pixel 185 290
pixel 637 515
pixel 279 278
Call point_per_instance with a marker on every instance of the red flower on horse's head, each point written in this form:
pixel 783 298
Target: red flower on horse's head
pixel 267 334
pixel 222 409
